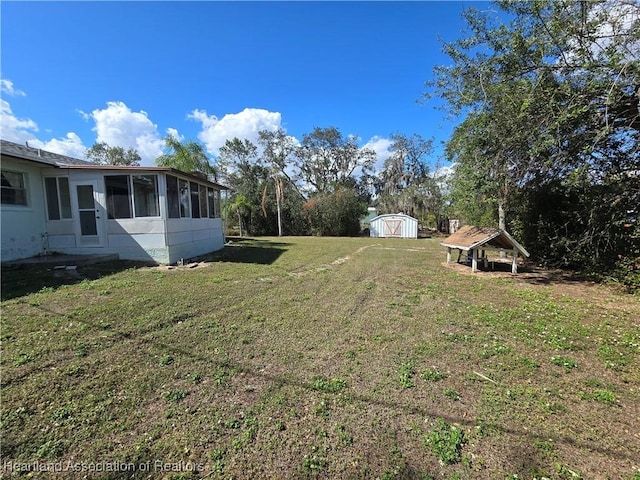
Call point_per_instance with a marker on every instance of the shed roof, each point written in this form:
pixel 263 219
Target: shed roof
pixel 394 215
pixel 470 237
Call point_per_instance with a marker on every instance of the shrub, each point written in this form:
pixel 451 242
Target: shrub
pixel 335 214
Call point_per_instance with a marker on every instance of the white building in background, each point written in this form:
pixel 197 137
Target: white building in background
pixel 396 225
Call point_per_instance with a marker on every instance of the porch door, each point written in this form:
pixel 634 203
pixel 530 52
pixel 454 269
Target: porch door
pixel 89 224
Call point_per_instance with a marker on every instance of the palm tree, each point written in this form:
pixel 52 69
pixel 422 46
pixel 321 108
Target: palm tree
pixel 241 207
pixel 189 157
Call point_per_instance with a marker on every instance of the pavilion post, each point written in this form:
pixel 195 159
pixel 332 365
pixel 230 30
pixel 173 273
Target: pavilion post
pixel 514 264
pixel 474 260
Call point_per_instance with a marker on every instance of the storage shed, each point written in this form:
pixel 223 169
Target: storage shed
pixel 396 225
pixel 478 240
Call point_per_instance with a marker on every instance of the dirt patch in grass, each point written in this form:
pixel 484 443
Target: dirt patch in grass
pixel 379 362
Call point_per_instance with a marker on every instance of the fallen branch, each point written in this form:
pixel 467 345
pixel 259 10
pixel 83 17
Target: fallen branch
pixel 485 378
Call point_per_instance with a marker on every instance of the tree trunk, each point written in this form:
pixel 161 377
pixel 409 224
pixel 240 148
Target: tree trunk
pixel 278 195
pixel 502 222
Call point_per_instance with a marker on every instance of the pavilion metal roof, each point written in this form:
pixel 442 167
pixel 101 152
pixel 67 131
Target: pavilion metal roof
pixel 470 237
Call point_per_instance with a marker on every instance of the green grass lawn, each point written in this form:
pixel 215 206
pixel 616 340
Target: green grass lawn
pixel 318 358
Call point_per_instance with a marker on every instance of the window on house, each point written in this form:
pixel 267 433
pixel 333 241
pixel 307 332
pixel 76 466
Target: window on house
pixel 195 200
pixel 14 188
pixel 118 196
pixel 173 197
pixel 183 186
pixel 58 199
pixel 145 195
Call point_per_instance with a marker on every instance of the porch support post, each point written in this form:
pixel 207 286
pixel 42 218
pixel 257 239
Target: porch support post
pixel 448 254
pixel 474 260
pixel 514 265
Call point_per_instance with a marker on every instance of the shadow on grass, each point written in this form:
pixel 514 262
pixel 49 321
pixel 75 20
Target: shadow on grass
pixel 17 282
pixel 27 279
pixel 248 250
pixel 527 273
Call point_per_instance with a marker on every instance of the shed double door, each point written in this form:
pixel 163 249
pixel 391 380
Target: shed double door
pixel 392 228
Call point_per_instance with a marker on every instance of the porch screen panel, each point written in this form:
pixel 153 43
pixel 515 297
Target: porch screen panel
pixel 51 190
pixel 86 209
pixel 173 197
pixel 145 195
pixel 218 204
pixel 65 197
pixel 203 201
pixel 195 200
pixel 58 198
pixel 183 186
pixel 118 196
pixel 211 201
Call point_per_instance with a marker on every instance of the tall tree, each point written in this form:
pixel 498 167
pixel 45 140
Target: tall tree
pixel 404 182
pixel 278 152
pixel 103 154
pixel 189 157
pixel 326 159
pixel 551 104
pixel 268 195
pixel 242 170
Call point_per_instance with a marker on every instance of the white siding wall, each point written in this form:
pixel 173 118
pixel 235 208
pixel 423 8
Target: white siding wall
pixel 23 227
pixel 190 237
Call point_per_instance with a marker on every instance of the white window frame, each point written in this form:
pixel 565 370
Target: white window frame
pixel 25 188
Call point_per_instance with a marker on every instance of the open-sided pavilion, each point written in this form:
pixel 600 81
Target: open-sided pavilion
pixel 479 240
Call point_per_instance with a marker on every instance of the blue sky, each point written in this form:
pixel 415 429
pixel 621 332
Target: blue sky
pixel 129 73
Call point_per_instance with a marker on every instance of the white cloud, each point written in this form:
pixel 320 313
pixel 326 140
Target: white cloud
pixel 613 21
pixel 119 126
pixel 71 146
pixel 243 125
pixel 445 171
pixel 23 130
pixel 15 129
pixel 6 87
pixel 381 146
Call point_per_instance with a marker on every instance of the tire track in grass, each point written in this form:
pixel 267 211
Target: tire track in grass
pixel 327 266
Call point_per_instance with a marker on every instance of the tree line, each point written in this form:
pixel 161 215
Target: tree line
pixel 321 185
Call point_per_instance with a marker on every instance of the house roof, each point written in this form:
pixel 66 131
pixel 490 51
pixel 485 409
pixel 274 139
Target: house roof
pixel 56 160
pixel 38 155
pixel 470 237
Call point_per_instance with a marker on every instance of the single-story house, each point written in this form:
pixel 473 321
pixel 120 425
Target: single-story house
pixel 481 239
pixel 395 225
pixel 52 203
